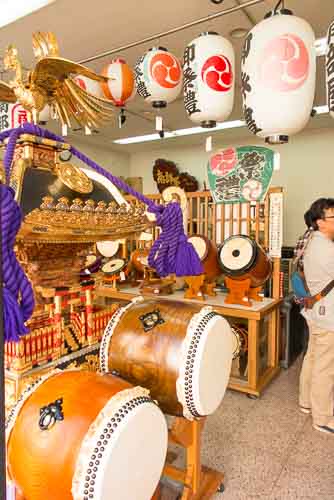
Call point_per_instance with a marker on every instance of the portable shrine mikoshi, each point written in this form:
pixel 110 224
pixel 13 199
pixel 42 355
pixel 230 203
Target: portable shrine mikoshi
pixel 181 352
pixel 246 267
pixel 81 435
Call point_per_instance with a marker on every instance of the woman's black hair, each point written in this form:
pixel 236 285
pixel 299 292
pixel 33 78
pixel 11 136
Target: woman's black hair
pixel 317 211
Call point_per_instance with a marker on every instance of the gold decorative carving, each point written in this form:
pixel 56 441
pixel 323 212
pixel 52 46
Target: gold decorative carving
pixel 50 83
pixel 74 178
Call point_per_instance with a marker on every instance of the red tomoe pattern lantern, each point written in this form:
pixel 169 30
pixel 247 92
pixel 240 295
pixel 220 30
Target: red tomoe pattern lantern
pixel 278 76
pixel 120 87
pixel 208 70
pixel 158 77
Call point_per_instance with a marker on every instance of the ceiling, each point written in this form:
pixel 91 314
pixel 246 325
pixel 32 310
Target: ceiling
pixel 86 29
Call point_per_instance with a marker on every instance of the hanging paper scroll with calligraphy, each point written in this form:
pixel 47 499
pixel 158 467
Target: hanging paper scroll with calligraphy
pixel 239 175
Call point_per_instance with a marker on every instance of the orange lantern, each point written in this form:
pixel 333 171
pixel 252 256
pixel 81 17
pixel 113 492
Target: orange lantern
pixel 120 87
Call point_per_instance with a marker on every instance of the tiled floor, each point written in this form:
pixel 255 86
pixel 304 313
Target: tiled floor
pixel 267 448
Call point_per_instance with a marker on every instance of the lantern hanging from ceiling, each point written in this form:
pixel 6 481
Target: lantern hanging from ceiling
pixel 330 69
pixel 91 86
pixel 208 73
pixel 120 87
pixel 158 77
pixel 278 76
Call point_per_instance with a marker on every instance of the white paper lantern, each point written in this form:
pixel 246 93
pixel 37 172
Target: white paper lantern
pixel 158 77
pixel 120 87
pixel 278 76
pixel 208 72
pixel 91 86
pixel 330 69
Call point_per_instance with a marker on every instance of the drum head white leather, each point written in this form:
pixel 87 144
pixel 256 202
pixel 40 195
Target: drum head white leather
pixel 236 253
pixel 113 266
pixel 200 245
pixel 213 366
pixel 108 248
pixel 137 456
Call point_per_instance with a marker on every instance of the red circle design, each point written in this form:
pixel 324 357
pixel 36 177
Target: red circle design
pixel 165 69
pixel 285 63
pixel 217 73
pixel 224 161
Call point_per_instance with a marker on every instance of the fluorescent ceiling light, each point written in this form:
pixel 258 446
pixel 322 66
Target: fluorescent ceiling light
pixel 11 10
pixel 321 110
pixel 321 48
pixel 180 132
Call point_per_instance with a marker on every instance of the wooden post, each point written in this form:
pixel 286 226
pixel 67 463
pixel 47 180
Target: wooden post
pixel 200 483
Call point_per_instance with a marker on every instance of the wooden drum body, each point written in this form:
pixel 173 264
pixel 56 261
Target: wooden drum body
pixel 241 258
pixel 181 352
pixel 139 259
pixel 207 252
pixel 80 435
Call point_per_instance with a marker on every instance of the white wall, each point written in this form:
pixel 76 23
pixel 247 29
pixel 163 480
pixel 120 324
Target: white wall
pixel 307 171
pixel 115 162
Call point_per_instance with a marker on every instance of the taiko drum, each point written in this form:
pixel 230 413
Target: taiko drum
pixel 207 252
pixel 81 435
pixel 242 258
pixel 181 352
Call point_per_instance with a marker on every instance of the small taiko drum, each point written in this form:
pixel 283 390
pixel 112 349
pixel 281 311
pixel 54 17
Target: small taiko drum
pixel 108 248
pixel 181 352
pixel 113 267
pixel 139 259
pixel 207 252
pixel 242 258
pixel 240 340
pixel 78 435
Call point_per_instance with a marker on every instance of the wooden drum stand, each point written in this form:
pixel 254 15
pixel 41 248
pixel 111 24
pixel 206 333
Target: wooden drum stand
pixel 200 482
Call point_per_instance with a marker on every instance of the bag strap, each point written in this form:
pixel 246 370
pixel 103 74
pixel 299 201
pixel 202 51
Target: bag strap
pixel 310 301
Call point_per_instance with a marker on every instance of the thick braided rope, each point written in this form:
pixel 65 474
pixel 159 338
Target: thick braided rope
pixel 170 253
pixel 17 290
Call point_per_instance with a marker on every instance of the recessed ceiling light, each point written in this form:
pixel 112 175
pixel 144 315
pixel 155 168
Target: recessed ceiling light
pixel 239 32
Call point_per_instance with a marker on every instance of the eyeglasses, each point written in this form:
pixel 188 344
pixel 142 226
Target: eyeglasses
pixel 329 217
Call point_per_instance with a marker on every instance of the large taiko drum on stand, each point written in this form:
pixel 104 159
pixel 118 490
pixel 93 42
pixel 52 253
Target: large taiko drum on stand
pixel 77 435
pixel 242 258
pixel 207 252
pixel 181 352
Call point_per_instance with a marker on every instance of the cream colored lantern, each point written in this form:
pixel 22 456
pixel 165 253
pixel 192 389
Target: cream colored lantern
pixel 158 77
pixel 278 76
pixel 330 69
pixel 208 72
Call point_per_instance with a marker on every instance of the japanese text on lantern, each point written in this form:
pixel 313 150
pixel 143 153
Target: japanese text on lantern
pixel 140 83
pixel 330 67
pixel 190 97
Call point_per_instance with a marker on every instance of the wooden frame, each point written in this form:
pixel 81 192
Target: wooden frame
pixel 218 222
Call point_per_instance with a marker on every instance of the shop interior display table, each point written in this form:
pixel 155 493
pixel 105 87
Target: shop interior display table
pixel 257 362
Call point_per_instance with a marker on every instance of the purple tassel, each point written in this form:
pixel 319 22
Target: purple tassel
pixel 187 261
